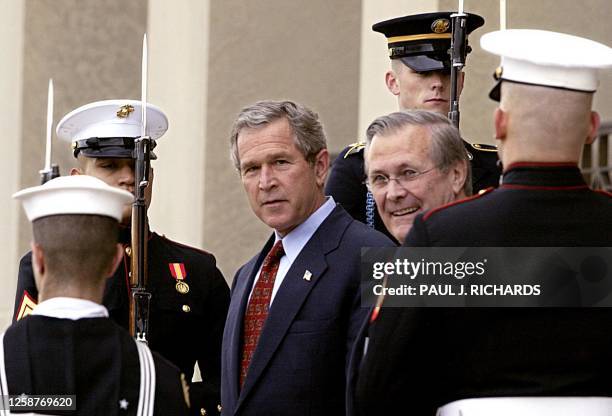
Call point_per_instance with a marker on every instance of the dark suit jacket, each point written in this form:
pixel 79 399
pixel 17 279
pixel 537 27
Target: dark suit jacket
pixel 299 365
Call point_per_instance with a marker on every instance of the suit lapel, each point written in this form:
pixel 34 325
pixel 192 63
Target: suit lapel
pixel 240 297
pixel 293 292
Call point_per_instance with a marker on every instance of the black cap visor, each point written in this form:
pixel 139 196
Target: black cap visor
pixel 108 147
pixel 426 63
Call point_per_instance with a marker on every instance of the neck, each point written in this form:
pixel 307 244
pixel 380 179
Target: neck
pixel 525 150
pixel 91 293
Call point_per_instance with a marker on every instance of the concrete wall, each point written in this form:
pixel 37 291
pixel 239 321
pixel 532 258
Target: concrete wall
pixel 11 75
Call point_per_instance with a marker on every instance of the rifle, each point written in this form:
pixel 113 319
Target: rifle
pixel 140 297
pixel 458 51
pixel 50 171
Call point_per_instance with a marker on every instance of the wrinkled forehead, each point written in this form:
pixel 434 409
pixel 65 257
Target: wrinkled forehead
pixel 408 146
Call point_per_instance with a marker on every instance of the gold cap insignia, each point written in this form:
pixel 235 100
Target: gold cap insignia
pixel 74 145
pixel 440 25
pixel 125 110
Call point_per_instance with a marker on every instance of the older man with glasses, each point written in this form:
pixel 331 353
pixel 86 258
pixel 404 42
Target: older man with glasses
pixel 414 161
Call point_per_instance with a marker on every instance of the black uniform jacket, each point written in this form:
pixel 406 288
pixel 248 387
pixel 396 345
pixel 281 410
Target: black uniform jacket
pixel 421 358
pixel 93 359
pixel 183 327
pixel 346 179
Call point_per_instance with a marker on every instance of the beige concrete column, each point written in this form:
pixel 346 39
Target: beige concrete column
pixel 91 48
pixel 374 98
pixel 11 45
pixel 178 75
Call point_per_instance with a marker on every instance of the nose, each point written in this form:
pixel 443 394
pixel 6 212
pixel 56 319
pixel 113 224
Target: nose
pixel 126 177
pixel 436 79
pixel 267 179
pixel 395 190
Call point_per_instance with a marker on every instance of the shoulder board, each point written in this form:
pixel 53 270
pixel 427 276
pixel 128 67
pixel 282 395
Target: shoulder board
pixel 354 149
pixel 26 306
pixel 481 193
pixel 603 192
pixel 484 147
pixel 163 237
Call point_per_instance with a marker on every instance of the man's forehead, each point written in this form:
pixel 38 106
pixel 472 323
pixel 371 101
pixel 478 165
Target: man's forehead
pixel 407 143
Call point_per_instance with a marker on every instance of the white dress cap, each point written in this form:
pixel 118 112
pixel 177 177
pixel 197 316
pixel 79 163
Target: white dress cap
pixel 111 118
pixel 549 59
pixel 77 194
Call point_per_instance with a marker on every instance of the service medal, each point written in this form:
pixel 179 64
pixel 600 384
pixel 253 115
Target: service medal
pixel 181 287
pixel 177 270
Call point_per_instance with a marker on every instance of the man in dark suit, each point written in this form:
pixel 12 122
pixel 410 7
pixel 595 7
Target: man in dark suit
pixel 420 79
pixel 420 359
pixel 68 345
pixel 189 294
pixel 295 306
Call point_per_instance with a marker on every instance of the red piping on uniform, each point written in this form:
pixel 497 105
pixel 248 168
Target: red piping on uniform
pixel 540 164
pixel 450 204
pixel 601 191
pixel 543 188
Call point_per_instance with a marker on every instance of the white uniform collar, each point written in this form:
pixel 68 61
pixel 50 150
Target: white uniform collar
pixel 70 308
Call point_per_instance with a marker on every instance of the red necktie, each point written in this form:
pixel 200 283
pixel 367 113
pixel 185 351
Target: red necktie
pixel 257 309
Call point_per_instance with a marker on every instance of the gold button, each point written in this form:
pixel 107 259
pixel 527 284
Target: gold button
pixel 128 251
pixel 186 308
pixel 203 412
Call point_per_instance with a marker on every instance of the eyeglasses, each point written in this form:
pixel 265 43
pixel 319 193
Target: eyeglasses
pixel 380 182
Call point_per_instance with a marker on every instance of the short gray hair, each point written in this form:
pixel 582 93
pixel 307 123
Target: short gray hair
pixel 308 131
pixel 447 148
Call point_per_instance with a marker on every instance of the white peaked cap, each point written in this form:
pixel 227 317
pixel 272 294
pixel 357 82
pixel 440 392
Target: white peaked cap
pixel 111 118
pixel 77 194
pixel 549 59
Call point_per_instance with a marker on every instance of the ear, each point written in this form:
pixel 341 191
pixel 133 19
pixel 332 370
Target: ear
pixel 594 127
pixel 75 171
pixel 38 259
pixel 501 123
pixel 116 260
pixel 392 82
pixel 458 175
pixel 321 166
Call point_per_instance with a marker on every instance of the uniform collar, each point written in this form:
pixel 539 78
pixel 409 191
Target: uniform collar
pixel 543 174
pixel 70 308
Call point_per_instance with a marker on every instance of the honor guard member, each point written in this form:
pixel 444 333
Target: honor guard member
pixel 524 361
pixel 189 295
pixel 68 346
pixel 420 78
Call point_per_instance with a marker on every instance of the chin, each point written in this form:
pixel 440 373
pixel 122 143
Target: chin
pixel 401 230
